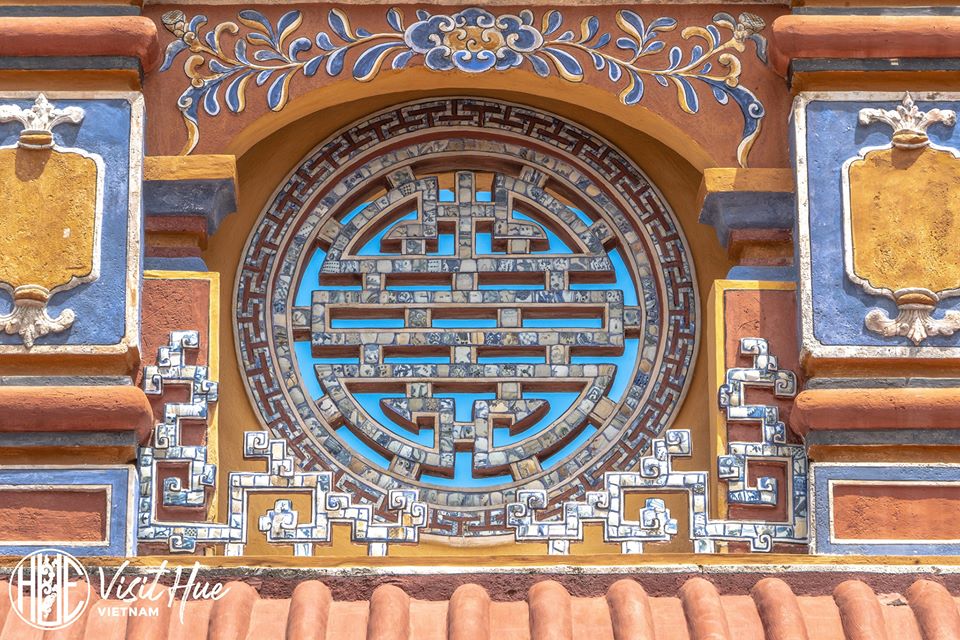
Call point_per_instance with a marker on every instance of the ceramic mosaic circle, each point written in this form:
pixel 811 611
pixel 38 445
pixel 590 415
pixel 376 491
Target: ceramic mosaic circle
pixel 468 298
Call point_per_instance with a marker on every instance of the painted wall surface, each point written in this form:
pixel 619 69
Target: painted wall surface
pixel 833 136
pixel 100 306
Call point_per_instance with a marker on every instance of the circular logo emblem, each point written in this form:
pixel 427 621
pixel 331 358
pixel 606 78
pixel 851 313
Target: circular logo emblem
pixel 49 589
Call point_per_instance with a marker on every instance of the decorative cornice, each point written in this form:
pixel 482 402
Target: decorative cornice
pixel 120 36
pixel 862 37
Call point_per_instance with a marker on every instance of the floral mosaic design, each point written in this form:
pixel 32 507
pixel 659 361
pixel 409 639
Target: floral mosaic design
pixel 473 40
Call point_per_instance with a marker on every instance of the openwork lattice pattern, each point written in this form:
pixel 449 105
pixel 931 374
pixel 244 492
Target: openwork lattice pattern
pixel 654 522
pixel 468 299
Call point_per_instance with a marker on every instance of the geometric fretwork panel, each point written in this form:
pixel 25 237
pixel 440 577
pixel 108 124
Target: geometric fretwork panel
pixel 469 299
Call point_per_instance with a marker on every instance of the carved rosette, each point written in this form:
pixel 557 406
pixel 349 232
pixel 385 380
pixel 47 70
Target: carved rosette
pixel 53 233
pixel 896 244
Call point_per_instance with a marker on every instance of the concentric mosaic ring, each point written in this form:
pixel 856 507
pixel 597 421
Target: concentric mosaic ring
pixel 467 298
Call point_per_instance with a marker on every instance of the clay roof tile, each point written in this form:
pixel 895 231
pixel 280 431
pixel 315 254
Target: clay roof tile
pixel 548 612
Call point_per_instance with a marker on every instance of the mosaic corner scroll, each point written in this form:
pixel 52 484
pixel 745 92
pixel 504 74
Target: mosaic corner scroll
pixel 473 40
pixel 654 522
pixel 284 525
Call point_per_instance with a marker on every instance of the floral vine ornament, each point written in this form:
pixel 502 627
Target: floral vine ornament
pixel 52 241
pixel 473 40
pixel 883 217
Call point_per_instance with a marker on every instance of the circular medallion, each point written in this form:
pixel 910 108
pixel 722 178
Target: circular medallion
pixel 468 298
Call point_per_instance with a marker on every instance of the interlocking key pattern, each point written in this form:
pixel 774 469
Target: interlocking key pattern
pixel 168 447
pixel 657 474
pixel 466 299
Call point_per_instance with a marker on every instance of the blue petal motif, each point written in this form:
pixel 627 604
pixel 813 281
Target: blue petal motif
pixel 761 43
pixel 323 41
pixel 335 61
pixel 719 94
pixel 554 20
pixel 173 49
pixel 275 91
pixel 634 21
pixel 197 22
pixel 636 91
pixel 297 47
pixel 598 61
pixel 368 64
pixel 540 66
pixel 628 44
pixel 663 24
pixel 614 72
pixel 256 16
pixel 401 60
pixel 263 76
pixel 218 67
pixel 394 19
pixel 689 102
pixel 338 25
pixel 570 64
pixel 676 56
pixel 240 52
pixel 232 93
pixel 655 47
pixel 266 55
pixel 312 65
pixel 593 25
pixel 695 53
pixel 211 102
pixel 715 35
pixel 286 21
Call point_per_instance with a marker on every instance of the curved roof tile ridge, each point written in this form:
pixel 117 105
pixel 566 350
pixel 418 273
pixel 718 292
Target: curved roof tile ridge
pixel 697 611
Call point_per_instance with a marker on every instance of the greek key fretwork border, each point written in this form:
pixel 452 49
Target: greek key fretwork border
pixel 266 283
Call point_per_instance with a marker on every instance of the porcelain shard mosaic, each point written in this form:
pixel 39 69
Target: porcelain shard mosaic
pixel 499 302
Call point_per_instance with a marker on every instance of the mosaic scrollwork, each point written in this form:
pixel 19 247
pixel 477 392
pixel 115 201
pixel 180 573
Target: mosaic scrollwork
pixel 657 473
pixel 168 447
pixel 473 40
pixel 281 525
pixel 476 319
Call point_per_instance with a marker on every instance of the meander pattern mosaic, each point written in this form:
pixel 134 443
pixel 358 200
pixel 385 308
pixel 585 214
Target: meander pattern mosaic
pixel 404 279
pixel 286 526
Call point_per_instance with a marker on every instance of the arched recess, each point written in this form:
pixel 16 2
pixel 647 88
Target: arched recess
pixel 265 164
pixel 582 101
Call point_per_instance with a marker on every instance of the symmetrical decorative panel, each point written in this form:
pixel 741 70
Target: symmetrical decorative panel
pixel 473 40
pixel 878 277
pixel 466 299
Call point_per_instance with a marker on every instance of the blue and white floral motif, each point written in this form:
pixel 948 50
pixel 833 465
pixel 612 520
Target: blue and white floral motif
pixel 473 40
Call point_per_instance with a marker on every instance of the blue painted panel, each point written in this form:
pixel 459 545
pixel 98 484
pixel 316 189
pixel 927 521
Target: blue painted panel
pixel 100 306
pixel 823 475
pixel 117 479
pixel 839 306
